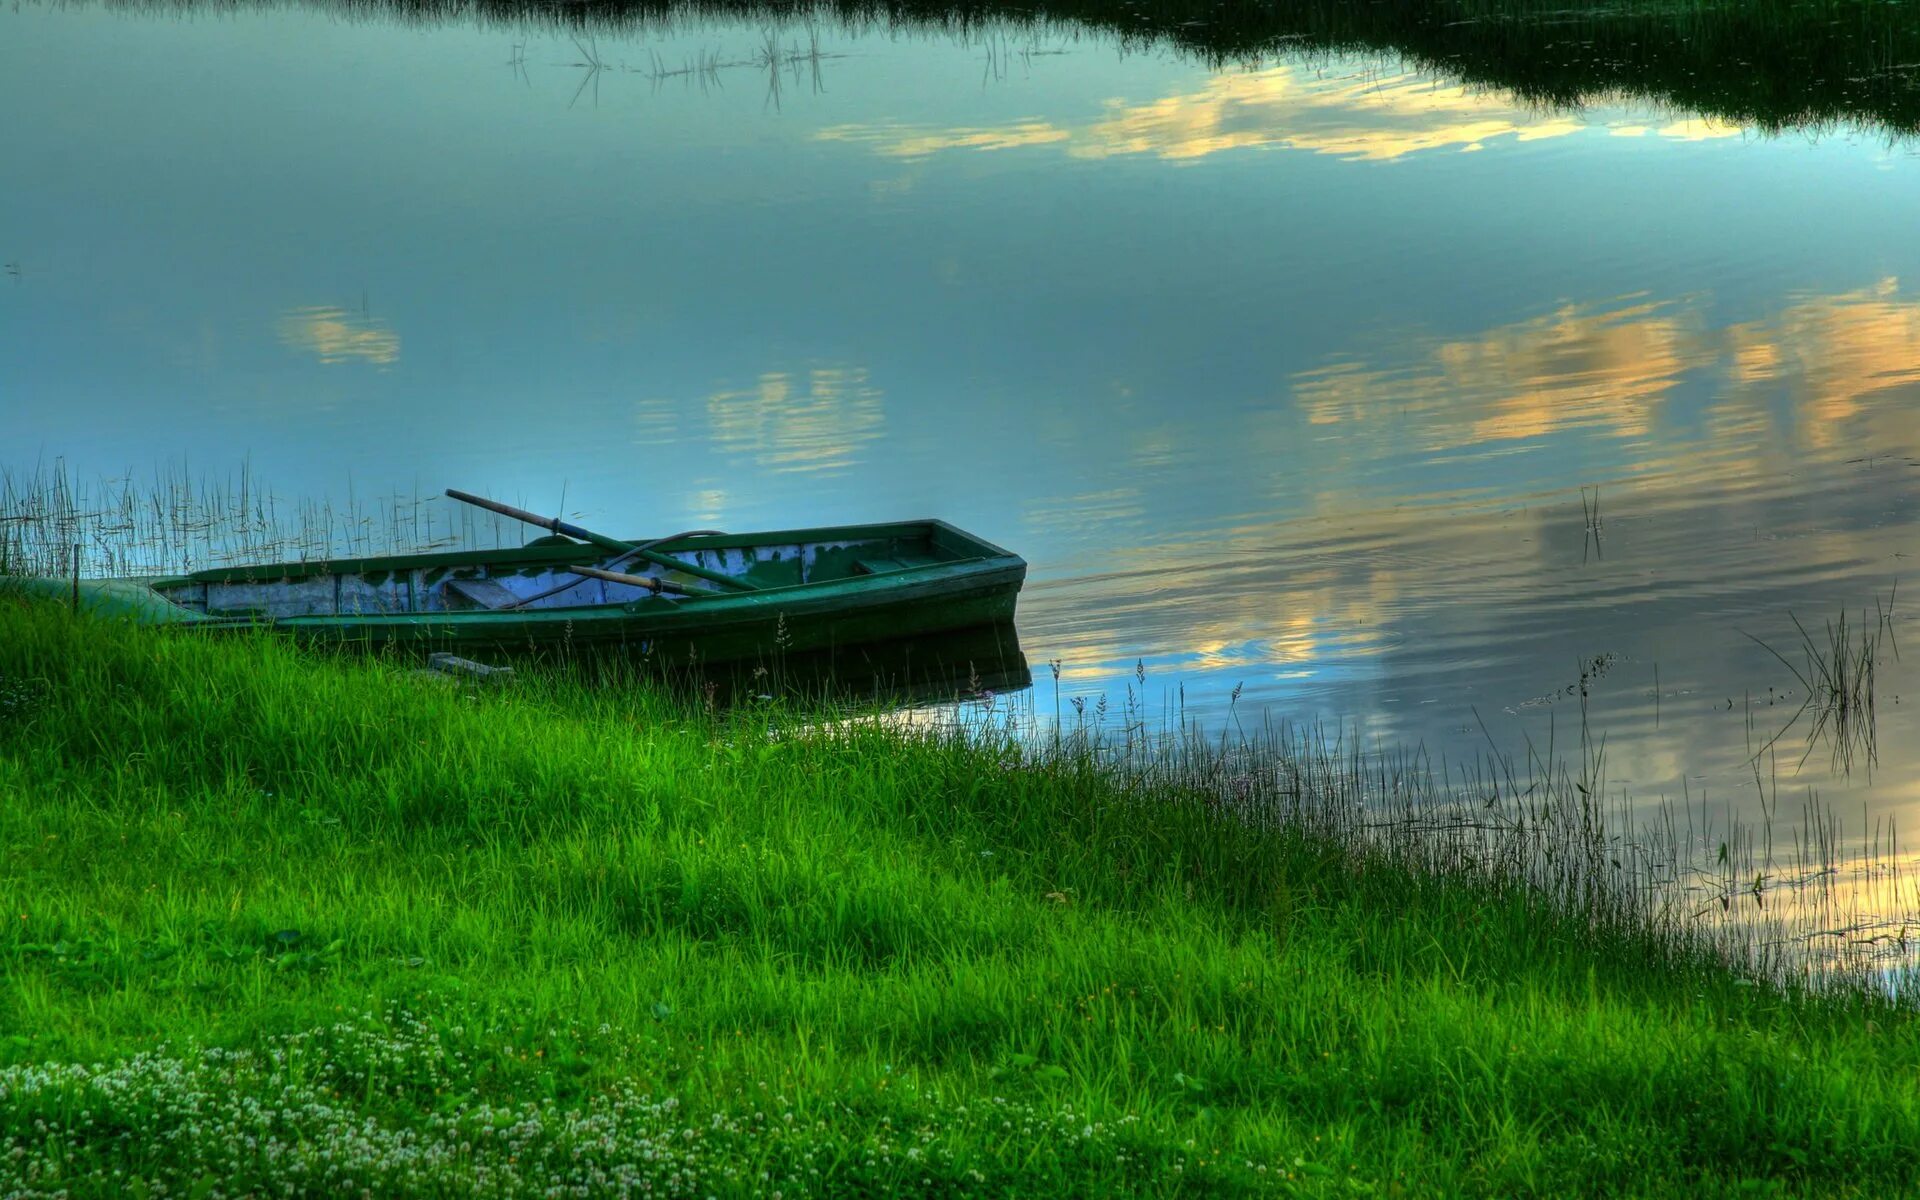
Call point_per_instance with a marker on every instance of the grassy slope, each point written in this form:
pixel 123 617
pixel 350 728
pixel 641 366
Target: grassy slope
pixel 855 962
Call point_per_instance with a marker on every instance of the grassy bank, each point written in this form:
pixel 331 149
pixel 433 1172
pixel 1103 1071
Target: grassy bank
pixel 277 919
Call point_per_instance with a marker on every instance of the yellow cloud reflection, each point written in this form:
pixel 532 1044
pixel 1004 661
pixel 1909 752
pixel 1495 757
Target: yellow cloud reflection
pixel 335 335
pixel 1833 352
pixel 1607 367
pixel 1611 367
pixel 1257 603
pixel 816 421
pixel 1371 118
pixel 901 142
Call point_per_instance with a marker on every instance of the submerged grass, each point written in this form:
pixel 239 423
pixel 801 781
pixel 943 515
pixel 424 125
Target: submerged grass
pixel 278 922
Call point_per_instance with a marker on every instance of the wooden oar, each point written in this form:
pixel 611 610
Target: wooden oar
pixel 656 586
pixel 602 540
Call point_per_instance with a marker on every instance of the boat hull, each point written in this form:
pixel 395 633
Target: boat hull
pixel 963 590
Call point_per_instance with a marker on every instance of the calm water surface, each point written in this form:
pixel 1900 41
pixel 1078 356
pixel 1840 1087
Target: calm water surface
pixel 1306 380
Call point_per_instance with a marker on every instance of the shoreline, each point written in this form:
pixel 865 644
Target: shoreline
pixel 447 906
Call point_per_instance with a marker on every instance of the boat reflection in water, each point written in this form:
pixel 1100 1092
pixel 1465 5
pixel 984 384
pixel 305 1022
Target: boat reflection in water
pixel 977 663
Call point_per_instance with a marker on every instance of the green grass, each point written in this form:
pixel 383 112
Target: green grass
pixel 280 920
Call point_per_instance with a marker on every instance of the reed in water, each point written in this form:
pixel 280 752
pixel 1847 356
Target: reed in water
pixel 178 521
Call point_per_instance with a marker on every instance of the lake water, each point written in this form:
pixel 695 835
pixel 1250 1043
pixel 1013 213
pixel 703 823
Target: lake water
pixel 1379 401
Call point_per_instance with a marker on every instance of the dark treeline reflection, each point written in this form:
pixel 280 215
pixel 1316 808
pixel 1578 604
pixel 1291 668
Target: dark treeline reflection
pixel 967 665
pixel 1773 64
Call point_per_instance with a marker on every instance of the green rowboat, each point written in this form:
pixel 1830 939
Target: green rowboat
pixel 710 597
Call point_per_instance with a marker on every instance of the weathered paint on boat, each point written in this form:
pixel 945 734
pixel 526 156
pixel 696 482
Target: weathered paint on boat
pixel 814 589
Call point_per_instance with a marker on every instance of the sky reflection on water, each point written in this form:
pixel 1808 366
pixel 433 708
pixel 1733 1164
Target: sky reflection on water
pixel 1300 378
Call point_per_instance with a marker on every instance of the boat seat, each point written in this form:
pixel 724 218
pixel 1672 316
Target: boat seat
pixel 880 564
pixel 481 593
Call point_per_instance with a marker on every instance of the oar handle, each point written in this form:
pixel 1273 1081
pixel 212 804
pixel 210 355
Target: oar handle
pixel 552 523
